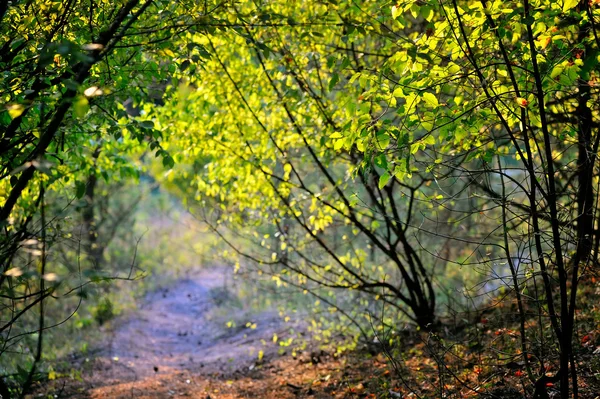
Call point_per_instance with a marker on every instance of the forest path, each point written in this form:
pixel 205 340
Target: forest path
pixel 175 338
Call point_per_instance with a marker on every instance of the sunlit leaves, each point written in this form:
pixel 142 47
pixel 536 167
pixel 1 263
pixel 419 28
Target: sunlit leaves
pixel 522 102
pixel 81 106
pixel 384 179
pixel 15 110
pixel 93 91
pixel 430 99
pixel 396 11
pixel 569 4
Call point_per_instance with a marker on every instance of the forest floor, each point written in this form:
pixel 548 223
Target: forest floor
pixel 177 344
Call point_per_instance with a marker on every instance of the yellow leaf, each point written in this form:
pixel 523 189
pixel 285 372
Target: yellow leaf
pixel 15 110
pixel 543 41
pixel 338 144
pixel 568 4
pixel 430 99
pixel 429 139
pixel 522 102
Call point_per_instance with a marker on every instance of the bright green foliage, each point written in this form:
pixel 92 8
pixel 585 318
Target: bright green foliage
pixel 331 123
pixel 451 88
pixel 259 141
pixel 501 98
pixel 363 146
pixel 73 74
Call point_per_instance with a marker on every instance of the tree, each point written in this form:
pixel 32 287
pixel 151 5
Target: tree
pixel 504 94
pixel 496 100
pixel 253 132
pixel 346 144
pixel 68 68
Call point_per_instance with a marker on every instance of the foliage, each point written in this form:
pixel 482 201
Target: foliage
pixel 73 76
pixel 479 113
pixel 503 97
pixel 253 134
pixel 337 146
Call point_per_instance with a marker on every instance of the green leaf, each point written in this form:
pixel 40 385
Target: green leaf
pixel 330 61
pixel 398 92
pixel 380 161
pixel 383 140
pixel 334 79
pixel 427 13
pixel 79 189
pixel 429 139
pixel 147 125
pixel 168 161
pixel 81 106
pixel 430 99
pixel 345 63
pixel 384 179
pixel 556 71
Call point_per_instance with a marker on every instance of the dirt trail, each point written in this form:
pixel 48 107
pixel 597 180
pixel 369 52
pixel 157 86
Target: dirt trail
pixel 175 333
